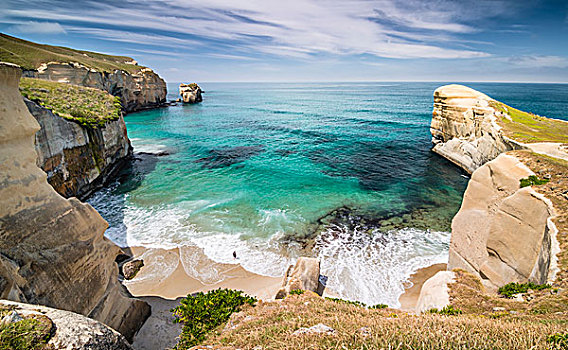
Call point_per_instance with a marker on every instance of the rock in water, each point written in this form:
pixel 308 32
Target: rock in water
pixel 304 276
pixel 52 250
pixel 190 93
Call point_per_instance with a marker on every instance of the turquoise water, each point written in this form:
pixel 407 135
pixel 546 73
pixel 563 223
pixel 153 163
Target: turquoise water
pixel 275 171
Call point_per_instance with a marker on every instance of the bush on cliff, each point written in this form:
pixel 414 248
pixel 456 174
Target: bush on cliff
pixel 533 180
pixel 89 107
pixel 509 290
pixel 27 334
pixel 203 312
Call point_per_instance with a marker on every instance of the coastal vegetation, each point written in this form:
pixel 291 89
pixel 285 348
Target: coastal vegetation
pixel 532 180
pixel 86 106
pixel 29 55
pixel 272 325
pixel 31 333
pixel 528 127
pixel 202 312
pixel 509 290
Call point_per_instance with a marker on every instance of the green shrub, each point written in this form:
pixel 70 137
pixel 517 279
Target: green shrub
pixel 350 302
pixel 448 310
pixel 532 180
pixel 558 340
pixel 511 289
pixel 28 334
pixel 296 292
pixel 378 306
pixel 203 312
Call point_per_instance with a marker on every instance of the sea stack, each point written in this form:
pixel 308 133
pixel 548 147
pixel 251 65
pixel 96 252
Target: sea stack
pixel 190 93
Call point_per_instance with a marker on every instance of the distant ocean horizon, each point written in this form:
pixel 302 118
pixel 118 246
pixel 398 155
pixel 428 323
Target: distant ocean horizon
pixel 342 171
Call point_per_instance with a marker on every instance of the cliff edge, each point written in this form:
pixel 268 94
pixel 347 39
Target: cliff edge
pixel 52 250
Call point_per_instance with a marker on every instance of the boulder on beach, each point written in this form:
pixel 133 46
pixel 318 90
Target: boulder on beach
pixel 190 93
pixel 304 276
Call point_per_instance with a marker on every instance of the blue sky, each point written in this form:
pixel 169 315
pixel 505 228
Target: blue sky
pixel 311 40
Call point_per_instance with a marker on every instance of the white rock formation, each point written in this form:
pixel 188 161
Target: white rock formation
pixel 435 292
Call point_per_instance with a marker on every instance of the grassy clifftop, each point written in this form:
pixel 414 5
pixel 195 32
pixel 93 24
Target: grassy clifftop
pixel 31 55
pixel 86 106
pixel 528 128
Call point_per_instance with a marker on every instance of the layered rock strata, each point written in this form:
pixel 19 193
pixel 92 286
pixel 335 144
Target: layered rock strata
pixel 464 128
pixel 52 250
pixel 503 233
pixel 77 159
pixel 137 91
pixel 70 330
pixel 190 93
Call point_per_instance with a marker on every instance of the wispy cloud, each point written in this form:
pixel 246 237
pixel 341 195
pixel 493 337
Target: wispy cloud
pixel 34 27
pixel 293 28
pixel 539 61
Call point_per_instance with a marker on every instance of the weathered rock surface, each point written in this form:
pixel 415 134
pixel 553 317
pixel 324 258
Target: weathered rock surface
pixel 464 128
pixel 502 233
pixel 304 275
pixel 131 268
pixel 72 331
pixel 142 90
pixel 52 250
pixel 190 93
pixel 435 292
pixel 77 159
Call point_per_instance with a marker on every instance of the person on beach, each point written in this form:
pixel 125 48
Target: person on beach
pixel 235 254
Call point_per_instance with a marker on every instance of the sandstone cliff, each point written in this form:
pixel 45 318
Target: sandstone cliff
pixel 464 127
pixel 78 159
pixel 52 250
pixel 503 233
pixel 138 90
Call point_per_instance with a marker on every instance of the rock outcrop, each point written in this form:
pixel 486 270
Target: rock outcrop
pixel 302 276
pixel 190 93
pixel 77 159
pixel 52 250
pixel 435 292
pixel 464 128
pixel 503 233
pixel 71 330
pixel 137 91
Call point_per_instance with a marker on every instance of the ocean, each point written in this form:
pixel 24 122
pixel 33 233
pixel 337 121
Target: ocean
pixel 273 171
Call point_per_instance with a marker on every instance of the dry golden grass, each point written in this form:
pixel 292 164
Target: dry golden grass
pixel 271 326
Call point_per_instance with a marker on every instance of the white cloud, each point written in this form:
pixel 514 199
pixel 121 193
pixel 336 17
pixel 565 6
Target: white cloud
pixel 291 28
pixel 33 27
pixel 539 61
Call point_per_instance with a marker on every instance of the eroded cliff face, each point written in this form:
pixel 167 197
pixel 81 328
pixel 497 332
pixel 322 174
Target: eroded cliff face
pixel 464 128
pixel 52 250
pixel 503 233
pixel 77 159
pixel 142 90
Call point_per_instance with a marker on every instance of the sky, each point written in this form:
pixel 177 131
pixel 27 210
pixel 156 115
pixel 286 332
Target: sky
pixel 311 40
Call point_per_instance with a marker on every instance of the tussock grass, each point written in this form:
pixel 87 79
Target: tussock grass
pixel 30 55
pixel 271 325
pixel 86 106
pixel 529 128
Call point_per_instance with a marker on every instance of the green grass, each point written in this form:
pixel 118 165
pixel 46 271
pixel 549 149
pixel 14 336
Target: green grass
pixel 203 312
pixel 532 180
pixel 559 340
pixel 530 128
pixel 88 107
pixel 511 289
pixel 296 292
pixel 28 334
pixel 446 310
pixel 30 55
